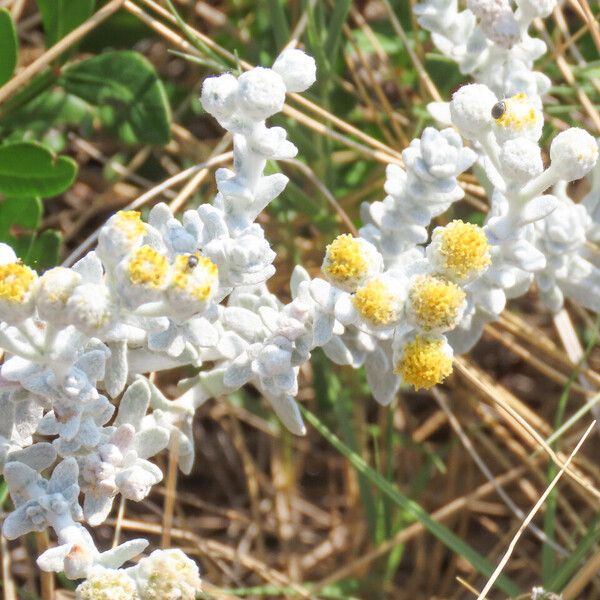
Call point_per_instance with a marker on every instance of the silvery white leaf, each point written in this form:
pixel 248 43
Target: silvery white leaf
pixel 287 410
pixel 17 523
pixel 134 404
pixel 90 268
pixel 299 274
pixel 151 441
pixel 53 559
pixel 537 209
pixel 115 557
pixel 117 369
pixel 238 373
pixel 92 364
pixel 39 456
pixel 63 476
pixel 96 507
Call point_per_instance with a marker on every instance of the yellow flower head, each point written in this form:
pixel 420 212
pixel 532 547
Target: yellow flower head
pixel 129 222
pixel 378 303
pixel 16 282
pixel 517 116
pixel 425 362
pixel 460 251
pixel 434 303
pixel 350 261
pixel 148 267
pixel 195 274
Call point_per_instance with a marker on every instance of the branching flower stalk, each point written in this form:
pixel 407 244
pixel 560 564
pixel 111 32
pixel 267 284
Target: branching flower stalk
pixel 400 298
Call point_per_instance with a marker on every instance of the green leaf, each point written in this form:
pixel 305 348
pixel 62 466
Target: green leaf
pixel 62 16
pixel 29 169
pixel 8 46
pixel 19 219
pixel 413 509
pixel 44 251
pixel 128 92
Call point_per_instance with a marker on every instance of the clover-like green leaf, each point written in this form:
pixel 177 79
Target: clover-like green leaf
pixel 128 93
pixel 28 169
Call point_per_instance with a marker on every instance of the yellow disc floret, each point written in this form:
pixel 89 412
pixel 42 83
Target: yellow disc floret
pixel 148 267
pixel 186 269
pixel 16 281
pixel 435 303
pixel 425 362
pixel 350 261
pixel 461 250
pixel 130 223
pixel 377 303
pixel 517 116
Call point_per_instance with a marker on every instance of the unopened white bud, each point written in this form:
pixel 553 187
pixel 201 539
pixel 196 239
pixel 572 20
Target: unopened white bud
pixel 261 93
pixel 297 69
pixel 471 109
pixel 537 8
pixel 521 160
pixel 90 309
pixel 219 95
pixel 574 153
pixel 54 290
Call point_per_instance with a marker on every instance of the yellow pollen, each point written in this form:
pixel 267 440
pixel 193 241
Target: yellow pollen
pixel 148 267
pixel 376 303
pixel 464 248
pixel 345 258
pixel 182 277
pixel 518 113
pixel 424 363
pixel 435 302
pixel 130 223
pixel 16 280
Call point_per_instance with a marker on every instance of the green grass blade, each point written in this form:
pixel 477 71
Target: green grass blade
pixel 281 29
pixel 438 530
pixel 334 30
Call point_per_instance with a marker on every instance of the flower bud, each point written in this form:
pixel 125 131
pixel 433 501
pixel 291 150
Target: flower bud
pixel 53 292
pixel 219 96
pixel 471 109
pixel 521 160
pixel 90 308
pixel 261 93
pixel 574 153
pixel 297 69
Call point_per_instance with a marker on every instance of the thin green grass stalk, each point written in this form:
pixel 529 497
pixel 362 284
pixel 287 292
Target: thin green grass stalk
pixel 548 553
pixel 281 28
pixel 334 29
pixel 438 530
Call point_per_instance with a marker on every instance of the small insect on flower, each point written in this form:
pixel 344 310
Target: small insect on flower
pixel 517 117
pixel 498 109
pixel 349 262
pixel 425 362
pixel 193 282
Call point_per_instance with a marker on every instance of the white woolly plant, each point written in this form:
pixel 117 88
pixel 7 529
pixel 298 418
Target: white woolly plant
pixel 169 292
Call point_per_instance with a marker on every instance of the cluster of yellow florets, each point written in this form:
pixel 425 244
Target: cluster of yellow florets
pixel 130 223
pixel 460 249
pixel 16 281
pixel 347 263
pixel 425 362
pixel 107 584
pixel 148 267
pixel 517 113
pixel 196 274
pixel 435 303
pixel 377 303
